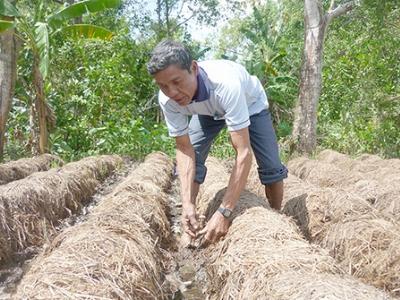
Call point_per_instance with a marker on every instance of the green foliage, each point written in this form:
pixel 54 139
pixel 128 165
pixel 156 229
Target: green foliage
pixel 104 100
pixel 360 107
pixel 5 25
pixel 78 31
pixel 80 8
pixel 7 9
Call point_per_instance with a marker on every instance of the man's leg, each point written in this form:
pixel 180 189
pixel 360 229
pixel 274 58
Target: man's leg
pixel 274 193
pixel 265 147
pixel 202 132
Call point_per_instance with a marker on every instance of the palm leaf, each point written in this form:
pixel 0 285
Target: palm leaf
pixel 42 46
pixel 5 25
pixel 87 31
pixel 8 10
pixel 81 8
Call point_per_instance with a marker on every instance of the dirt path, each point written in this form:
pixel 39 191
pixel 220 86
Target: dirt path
pixel 187 275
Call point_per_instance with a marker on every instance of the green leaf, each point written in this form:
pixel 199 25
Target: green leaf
pixel 5 25
pixel 7 9
pixel 42 46
pixel 81 8
pixel 87 31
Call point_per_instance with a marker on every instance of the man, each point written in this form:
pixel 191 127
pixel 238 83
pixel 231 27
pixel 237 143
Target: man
pixel 216 93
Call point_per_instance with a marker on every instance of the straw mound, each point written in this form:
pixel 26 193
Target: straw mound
pixel 294 187
pixel 311 286
pixel 389 202
pixel 156 169
pixel 149 206
pixel 358 243
pixel 338 159
pixel 321 173
pixel 386 176
pixel 315 211
pixel 260 245
pixel 385 260
pixel 115 254
pixel 31 207
pixel 21 168
pixel 98 167
pixel 95 261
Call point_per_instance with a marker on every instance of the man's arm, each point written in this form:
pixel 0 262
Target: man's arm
pixel 237 182
pixel 218 225
pixel 185 159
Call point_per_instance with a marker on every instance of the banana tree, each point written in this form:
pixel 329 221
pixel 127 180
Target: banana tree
pixel 37 36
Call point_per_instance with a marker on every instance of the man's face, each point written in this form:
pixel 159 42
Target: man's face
pixel 178 84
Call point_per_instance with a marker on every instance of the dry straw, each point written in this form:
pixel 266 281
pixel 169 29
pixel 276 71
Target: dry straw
pixel 31 207
pixel 381 178
pixel 365 246
pixel 263 245
pixel 115 254
pixel 321 173
pixel 21 168
pixel 354 232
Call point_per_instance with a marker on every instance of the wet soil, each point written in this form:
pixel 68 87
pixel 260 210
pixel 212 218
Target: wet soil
pixel 187 276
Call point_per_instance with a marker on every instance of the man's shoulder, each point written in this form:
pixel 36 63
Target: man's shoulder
pixel 220 66
pixel 224 72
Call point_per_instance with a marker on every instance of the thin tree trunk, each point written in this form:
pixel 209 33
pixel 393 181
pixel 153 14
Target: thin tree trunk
pixel 8 76
pixel 304 136
pixel 167 22
pixel 305 123
pixel 40 107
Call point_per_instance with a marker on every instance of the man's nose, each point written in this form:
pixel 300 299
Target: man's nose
pixel 173 92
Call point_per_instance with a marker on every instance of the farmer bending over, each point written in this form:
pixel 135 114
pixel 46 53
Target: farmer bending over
pixel 216 93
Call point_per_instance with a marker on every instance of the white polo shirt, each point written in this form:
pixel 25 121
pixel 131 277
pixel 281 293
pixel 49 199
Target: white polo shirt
pixel 234 95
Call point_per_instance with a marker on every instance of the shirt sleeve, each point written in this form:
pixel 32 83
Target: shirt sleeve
pixel 233 102
pixel 177 123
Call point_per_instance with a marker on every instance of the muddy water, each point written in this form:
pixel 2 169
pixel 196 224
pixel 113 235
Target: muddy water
pixel 11 274
pixel 188 273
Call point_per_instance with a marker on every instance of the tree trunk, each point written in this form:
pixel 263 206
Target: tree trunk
pixel 40 105
pixel 8 76
pixel 304 136
pixel 305 123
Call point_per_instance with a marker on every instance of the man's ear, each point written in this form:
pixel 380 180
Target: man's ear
pixel 194 67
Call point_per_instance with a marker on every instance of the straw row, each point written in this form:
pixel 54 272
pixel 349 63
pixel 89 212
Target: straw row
pixel 381 178
pixel 115 253
pixel 365 163
pixel 30 208
pixel 380 187
pixel 360 237
pixel 15 170
pixel 264 248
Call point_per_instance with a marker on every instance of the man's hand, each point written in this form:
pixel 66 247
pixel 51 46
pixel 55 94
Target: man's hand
pixel 189 219
pixel 216 228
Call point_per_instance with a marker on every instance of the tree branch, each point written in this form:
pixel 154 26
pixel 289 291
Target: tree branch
pixel 331 5
pixel 340 10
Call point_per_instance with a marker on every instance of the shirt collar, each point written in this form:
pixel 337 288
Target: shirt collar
pixel 203 91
